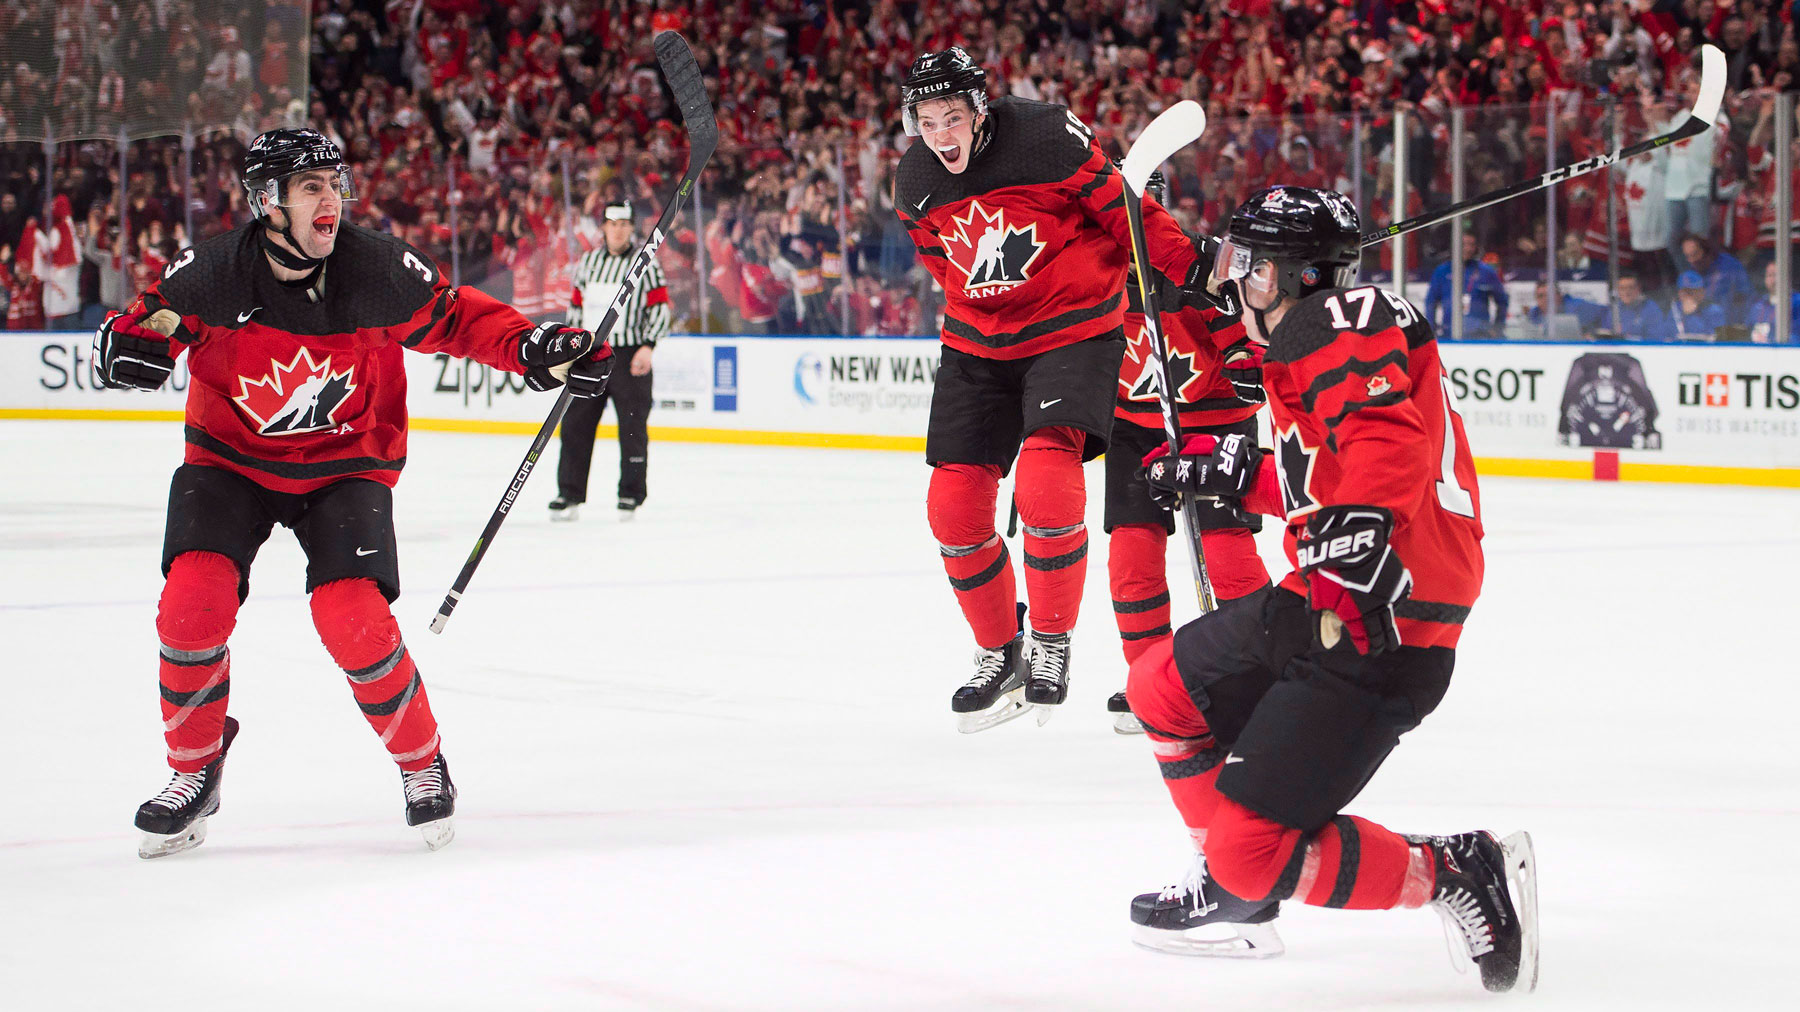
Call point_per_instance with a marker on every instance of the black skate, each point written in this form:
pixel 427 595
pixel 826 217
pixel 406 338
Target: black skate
pixel 1124 722
pixel 1487 895
pixel 564 510
pixel 1198 918
pixel 628 506
pixel 1048 656
pixel 431 801
pixel 993 696
pixel 175 820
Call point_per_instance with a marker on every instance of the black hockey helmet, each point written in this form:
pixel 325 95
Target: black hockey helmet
pixel 278 154
pixel 944 74
pixel 1310 236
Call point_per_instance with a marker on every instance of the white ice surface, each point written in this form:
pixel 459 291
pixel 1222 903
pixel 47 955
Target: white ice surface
pixel 707 762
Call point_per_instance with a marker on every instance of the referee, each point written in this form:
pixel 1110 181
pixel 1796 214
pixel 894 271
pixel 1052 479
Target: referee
pixel 645 320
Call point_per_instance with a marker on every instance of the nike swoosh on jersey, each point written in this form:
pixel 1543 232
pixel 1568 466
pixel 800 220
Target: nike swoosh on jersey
pixel 367 551
pixel 1044 404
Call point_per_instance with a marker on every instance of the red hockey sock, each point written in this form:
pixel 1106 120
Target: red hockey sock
pixel 960 506
pixel 193 620
pixel 358 629
pixel 1351 863
pixel 1136 568
pixel 1186 751
pixel 1232 563
pixel 1052 494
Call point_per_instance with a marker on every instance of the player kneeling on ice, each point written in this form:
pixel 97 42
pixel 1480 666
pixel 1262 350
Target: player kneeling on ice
pixel 1021 218
pixel 1269 715
pixel 294 326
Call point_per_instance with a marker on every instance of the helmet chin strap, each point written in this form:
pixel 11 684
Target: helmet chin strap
pixel 289 258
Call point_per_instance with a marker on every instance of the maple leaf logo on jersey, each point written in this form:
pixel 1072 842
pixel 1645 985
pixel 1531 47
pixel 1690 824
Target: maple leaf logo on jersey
pixel 302 396
pixel 1294 463
pixel 993 255
pixel 1378 385
pixel 1142 385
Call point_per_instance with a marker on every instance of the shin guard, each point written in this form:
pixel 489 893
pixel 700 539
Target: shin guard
pixel 353 620
pixel 1351 863
pixel 1232 563
pixel 193 620
pixel 1136 569
pixel 1186 752
pixel 1052 495
pixel 960 506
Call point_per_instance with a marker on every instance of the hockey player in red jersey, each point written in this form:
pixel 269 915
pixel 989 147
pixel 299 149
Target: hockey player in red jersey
pixel 1269 715
pixel 1021 219
pixel 1217 376
pixel 295 325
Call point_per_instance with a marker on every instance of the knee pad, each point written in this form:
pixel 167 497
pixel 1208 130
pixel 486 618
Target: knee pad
pixel 1136 562
pixel 1050 487
pixel 960 505
pixel 354 622
pixel 1159 699
pixel 199 603
pixel 1232 563
pixel 1250 854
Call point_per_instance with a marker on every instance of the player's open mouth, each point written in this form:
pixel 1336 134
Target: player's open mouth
pixel 950 154
pixel 325 226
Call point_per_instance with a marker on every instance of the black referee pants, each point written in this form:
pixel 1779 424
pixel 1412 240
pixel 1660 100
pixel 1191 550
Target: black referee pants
pixel 631 400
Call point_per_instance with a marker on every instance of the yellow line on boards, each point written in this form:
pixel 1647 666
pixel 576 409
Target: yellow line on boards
pixel 1517 467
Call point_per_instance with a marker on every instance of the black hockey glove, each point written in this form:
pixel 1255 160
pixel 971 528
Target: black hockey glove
pixel 587 378
pixel 1195 292
pixel 1243 370
pixel 548 351
pixel 1353 577
pixel 1207 466
pixel 131 350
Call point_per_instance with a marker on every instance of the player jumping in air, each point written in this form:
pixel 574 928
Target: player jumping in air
pixel 1021 219
pixel 1269 715
pixel 294 326
pixel 1217 376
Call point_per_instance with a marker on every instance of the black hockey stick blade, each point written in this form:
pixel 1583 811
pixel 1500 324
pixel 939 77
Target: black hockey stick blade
pixel 1700 118
pixel 683 75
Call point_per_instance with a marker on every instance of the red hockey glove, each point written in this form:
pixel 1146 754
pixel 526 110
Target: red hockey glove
pixel 1243 370
pixel 587 378
pixel 1207 466
pixel 131 350
pixel 548 350
pixel 1353 577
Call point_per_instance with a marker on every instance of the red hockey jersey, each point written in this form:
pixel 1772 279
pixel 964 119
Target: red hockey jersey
pixel 1362 415
pixel 1197 339
pixel 1030 243
pixel 294 393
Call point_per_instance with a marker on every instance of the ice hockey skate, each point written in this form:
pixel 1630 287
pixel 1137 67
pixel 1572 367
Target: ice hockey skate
pixel 431 802
pixel 175 820
pixel 1487 895
pixel 1124 721
pixel 564 510
pixel 996 694
pixel 628 507
pixel 1195 917
pixel 1047 655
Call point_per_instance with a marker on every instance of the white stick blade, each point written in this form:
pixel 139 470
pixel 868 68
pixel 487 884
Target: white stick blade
pixel 1712 84
pixel 1179 125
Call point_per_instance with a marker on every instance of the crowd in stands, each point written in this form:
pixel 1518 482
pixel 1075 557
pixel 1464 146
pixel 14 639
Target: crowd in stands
pixel 490 134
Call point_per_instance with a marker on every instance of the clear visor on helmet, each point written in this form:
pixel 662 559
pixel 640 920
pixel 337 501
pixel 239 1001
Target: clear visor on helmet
pixel 973 104
pixel 1231 263
pixel 306 188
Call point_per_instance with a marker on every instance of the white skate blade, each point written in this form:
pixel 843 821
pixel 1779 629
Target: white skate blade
pixel 1221 941
pixel 565 515
pixel 1045 711
pixel 1521 881
pixel 1126 723
pixel 1010 706
pixel 154 845
pixel 438 833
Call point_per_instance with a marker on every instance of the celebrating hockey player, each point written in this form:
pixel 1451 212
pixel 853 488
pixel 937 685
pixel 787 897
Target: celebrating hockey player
pixel 1217 376
pixel 1269 715
pixel 1021 219
pixel 294 326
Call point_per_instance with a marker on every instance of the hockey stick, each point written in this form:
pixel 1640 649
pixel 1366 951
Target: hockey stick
pixel 683 75
pixel 1178 126
pixel 1699 119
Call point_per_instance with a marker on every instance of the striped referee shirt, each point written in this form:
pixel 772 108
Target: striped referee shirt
pixel 646 318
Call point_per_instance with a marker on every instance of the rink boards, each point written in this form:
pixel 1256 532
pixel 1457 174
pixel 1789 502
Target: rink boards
pixel 1707 413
